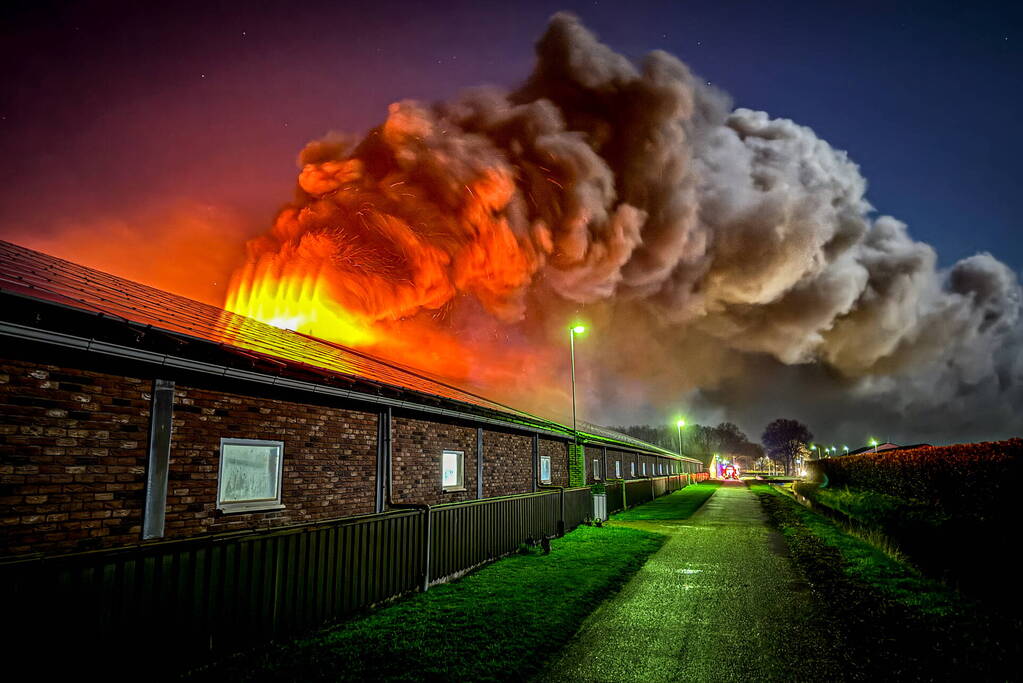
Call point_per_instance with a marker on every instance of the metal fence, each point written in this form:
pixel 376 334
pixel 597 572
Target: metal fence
pixel 214 595
pixel 224 593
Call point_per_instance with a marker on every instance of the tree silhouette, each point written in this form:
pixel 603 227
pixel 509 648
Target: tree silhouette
pixel 784 439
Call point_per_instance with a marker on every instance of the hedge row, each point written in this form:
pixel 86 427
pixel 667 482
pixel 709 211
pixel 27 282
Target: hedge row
pixel 965 478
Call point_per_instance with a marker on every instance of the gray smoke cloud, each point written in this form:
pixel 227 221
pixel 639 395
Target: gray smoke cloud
pixel 724 257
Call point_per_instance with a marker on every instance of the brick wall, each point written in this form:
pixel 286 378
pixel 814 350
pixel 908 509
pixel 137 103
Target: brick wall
pixel 329 460
pixel 558 452
pixel 614 454
pixel 72 458
pixel 416 447
pixel 507 463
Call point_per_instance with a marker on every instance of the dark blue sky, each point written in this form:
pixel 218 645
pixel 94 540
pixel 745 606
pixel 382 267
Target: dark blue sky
pixel 112 111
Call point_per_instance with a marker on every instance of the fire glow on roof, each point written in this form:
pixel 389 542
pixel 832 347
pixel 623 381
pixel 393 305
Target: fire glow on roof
pixel 40 276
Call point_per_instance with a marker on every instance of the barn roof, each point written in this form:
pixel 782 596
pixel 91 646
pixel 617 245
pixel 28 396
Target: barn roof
pixel 142 310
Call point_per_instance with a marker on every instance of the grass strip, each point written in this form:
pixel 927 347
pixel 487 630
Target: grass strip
pixel 679 504
pixel 889 620
pixel 500 623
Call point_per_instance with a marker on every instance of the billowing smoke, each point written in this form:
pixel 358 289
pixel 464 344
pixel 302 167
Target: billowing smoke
pixel 721 256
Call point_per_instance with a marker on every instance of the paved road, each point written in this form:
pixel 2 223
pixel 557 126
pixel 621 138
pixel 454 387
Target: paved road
pixel 718 602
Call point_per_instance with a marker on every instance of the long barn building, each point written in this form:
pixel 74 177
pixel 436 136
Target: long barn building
pixel 137 424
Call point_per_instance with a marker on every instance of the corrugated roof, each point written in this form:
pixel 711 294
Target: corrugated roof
pixel 33 274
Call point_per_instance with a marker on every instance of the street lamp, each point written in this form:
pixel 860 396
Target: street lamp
pixel 873 442
pixel 574 330
pixel 816 448
pixel 680 424
pixel 846 449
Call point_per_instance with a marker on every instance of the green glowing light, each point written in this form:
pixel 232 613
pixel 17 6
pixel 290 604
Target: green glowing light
pixel 680 423
pixel 578 329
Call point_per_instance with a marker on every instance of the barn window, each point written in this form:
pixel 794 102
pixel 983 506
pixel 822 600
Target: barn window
pixel 644 469
pixel 545 469
pixel 632 468
pixel 452 471
pixel 618 469
pixel 250 475
pixel 596 468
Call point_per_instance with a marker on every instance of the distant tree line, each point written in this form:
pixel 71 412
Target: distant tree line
pixel 701 441
pixel 784 442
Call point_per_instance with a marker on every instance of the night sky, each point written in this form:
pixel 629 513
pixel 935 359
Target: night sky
pixel 113 111
pixel 138 115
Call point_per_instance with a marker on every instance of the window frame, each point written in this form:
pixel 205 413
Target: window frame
pixel 460 485
pixel 256 504
pixel 550 472
pixel 618 469
pixel 632 469
pixel 643 469
pixel 596 469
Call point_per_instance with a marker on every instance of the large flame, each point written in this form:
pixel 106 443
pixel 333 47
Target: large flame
pixel 384 250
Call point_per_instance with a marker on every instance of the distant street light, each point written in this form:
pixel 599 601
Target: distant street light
pixel 680 424
pixel 846 448
pixel 816 448
pixel 577 329
pixel 873 442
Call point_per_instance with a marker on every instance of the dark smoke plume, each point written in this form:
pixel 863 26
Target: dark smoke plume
pixel 723 257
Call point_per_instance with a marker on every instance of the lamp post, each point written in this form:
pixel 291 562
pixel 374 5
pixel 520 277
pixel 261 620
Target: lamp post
pixel 818 449
pixel 574 330
pixel 680 424
pixel 873 442
pixel 846 449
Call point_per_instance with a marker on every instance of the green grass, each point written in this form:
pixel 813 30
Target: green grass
pixel 893 622
pixel 678 505
pixel 500 623
pixel 865 562
pixel 873 509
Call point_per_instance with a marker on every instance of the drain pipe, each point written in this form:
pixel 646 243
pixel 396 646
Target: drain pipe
pixel 385 435
pixel 561 496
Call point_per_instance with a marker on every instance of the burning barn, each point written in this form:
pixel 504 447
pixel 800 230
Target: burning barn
pixel 145 432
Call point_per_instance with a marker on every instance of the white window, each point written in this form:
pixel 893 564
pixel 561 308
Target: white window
pixel 644 469
pixel 250 475
pixel 545 469
pixel 660 468
pixel 596 468
pixel 618 469
pixel 632 468
pixel 452 471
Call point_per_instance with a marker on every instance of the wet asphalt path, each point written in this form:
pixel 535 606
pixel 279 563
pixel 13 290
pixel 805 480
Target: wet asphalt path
pixel 718 602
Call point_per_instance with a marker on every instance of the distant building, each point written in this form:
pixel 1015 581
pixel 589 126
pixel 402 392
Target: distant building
pixel 886 447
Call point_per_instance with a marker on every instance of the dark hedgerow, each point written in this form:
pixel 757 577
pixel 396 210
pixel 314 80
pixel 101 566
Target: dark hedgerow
pixel 501 623
pixel 952 510
pixel 975 478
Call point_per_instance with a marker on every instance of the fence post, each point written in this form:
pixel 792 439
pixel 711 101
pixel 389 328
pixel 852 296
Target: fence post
pixel 426 554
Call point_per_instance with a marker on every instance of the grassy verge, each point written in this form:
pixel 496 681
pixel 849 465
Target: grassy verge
pixel 498 624
pixel 677 505
pixel 964 548
pixel 892 622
